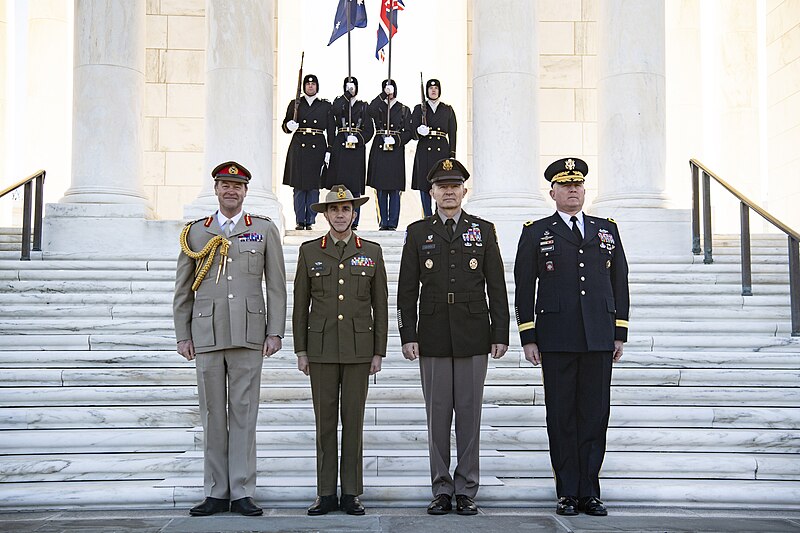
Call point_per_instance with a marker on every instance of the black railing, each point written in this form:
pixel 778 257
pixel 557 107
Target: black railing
pixel 29 206
pixel 745 205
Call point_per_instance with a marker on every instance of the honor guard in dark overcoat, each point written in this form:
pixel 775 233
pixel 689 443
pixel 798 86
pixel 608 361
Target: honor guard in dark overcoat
pixel 387 162
pixel 436 134
pixel 353 130
pixel 450 265
pixel 340 325
pixel 224 323
pixel 574 323
pixel 309 150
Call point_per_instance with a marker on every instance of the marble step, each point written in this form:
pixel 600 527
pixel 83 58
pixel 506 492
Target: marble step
pixel 403 374
pixel 399 491
pixel 137 440
pixel 411 393
pixel 171 416
pixel 642 465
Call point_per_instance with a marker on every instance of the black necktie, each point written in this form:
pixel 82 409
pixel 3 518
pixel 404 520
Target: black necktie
pixel 575 229
pixel 451 226
pixel 340 246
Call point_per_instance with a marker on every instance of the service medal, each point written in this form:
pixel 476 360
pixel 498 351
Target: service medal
pixel 473 263
pixel 429 263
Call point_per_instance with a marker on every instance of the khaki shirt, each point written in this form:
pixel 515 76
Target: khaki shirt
pixel 341 312
pixel 231 312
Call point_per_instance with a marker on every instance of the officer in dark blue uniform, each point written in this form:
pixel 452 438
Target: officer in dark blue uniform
pixel 451 264
pixel 575 326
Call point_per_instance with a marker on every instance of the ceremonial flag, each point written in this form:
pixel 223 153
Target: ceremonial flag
pixel 389 9
pixel 358 18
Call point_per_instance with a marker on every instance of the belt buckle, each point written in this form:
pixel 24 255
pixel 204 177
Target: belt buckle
pixel 350 146
pixel 451 298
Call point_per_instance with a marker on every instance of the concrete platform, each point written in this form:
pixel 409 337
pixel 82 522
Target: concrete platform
pixel 490 520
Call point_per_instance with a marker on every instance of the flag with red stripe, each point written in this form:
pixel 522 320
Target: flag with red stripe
pixel 387 20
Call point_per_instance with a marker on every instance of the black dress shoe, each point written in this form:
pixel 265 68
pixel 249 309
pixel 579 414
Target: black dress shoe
pixel 567 506
pixel 441 504
pixel 351 505
pixel 300 226
pixel 210 506
pixel 465 505
pixel 246 506
pixel 593 506
pixel 308 227
pixel 324 505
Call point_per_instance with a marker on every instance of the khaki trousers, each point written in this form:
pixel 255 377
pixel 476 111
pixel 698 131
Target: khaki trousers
pixel 229 386
pixel 454 384
pixel 329 381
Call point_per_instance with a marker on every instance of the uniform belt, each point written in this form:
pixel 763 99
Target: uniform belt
pixel 388 132
pixel 312 131
pixel 454 297
pixel 349 130
pixel 437 134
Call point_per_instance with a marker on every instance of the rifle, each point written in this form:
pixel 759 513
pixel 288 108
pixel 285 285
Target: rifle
pixel 299 86
pixel 423 107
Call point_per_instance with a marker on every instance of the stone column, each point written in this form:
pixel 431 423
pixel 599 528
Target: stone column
pixel 3 96
pixel 108 97
pixel 505 78
pixel 239 108
pixel 631 127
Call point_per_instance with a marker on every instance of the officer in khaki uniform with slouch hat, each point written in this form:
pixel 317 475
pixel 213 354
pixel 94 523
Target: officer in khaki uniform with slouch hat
pixel 451 263
pixel 223 321
pixel 572 307
pixel 340 326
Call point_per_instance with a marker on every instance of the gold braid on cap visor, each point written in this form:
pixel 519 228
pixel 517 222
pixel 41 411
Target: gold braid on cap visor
pixel 206 253
pixel 570 175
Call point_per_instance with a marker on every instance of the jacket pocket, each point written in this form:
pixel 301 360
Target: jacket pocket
pixel 364 276
pixel 203 323
pixel 547 305
pixel 319 276
pixel 364 336
pixel 254 254
pixel 316 329
pixel 611 306
pixel 256 326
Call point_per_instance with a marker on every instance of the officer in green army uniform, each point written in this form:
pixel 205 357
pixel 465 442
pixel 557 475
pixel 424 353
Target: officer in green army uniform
pixel 340 325
pixel 451 263
pixel 222 321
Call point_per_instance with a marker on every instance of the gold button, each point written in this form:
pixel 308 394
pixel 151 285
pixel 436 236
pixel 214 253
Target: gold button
pixel 252 251
pixel 583 292
pixel 341 282
pixel 581 265
pixel 341 266
pixel 303 145
pixel 340 317
pixel 370 328
pixel 580 251
pixel 341 297
pixel 583 279
pixel 313 146
pixel 315 121
pixel 363 273
pixel 317 274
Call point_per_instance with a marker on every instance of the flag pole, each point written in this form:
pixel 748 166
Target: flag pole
pixel 389 100
pixel 349 67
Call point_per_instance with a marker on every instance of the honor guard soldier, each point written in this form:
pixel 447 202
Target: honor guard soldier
pixel 309 150
pixel 387 161
pixel 222 321
pixel 340 324
pixel 450 264
pixel 575 326
pixel 435 128
pixel 353 126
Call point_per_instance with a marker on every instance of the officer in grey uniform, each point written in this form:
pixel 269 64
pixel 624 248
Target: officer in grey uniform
pixel 451 262
pixel 575 327
pixel 340 324
pixel 223 321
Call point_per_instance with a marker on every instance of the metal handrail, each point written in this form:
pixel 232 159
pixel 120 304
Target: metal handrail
pixel 745 205
pixel 28 206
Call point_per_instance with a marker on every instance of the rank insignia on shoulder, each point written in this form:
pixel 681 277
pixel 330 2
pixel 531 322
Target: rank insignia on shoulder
pixel 528 223
pixel 612 220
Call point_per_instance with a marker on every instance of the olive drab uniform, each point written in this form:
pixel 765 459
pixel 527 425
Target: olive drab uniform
pixel 340 321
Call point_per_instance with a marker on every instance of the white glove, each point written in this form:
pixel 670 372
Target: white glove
pixel 350 87
pixel 389 89
pixel 388 140
pixel 422 129
pixel 327 158
pixel 292 126
pixel 352 139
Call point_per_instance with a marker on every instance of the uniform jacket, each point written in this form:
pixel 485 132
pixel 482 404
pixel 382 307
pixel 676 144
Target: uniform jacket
pixel 306 155
pixel 387 170
pixel 341 312
pixel 349 165
pixel 582 301
pixel 431 148
pixel 456 276
pixel 232 313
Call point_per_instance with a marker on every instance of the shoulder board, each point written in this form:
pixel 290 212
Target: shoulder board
pixel 418 222
pixel 528 223
pixel 262 217
pixel 612 220
pixel 196 221
pixel 479 218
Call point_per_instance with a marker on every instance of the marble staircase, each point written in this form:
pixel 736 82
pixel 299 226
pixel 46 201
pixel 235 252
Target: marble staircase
pixel 98 411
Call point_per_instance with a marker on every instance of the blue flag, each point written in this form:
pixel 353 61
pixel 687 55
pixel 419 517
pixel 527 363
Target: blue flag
pixel 358 18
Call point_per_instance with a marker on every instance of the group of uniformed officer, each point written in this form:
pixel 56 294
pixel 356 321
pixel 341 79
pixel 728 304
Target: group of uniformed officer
pixel 328 146
pixel 571 302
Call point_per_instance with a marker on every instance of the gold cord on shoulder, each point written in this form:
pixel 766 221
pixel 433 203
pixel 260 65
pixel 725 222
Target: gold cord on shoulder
pixel 207 254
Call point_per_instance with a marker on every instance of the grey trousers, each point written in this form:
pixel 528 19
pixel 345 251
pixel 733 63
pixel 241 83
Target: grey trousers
pixel 454 384
pixel 229 386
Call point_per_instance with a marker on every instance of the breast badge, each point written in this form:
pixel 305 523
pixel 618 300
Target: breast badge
pixel 473 263
pixel 429 263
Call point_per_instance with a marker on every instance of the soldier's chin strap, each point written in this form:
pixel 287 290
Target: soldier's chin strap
pixel 207 254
